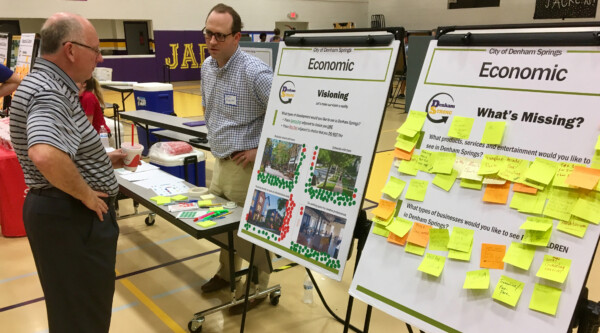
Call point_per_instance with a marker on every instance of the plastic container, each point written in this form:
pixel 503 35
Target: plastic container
pixel 154 96
pixel 175 165
pixel 104 136
pixel 308 290
pixel 143 139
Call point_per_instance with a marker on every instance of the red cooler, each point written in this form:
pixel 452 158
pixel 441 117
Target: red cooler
pixel 13 189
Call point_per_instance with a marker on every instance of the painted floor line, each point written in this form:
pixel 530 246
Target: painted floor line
pixel 18 277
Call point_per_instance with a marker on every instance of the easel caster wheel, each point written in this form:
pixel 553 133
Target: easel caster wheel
pixel 150 219
pixel 274 297
pixel 195 325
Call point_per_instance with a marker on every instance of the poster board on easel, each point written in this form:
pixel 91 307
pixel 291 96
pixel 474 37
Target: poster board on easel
pixel 538 83
pixel 321 127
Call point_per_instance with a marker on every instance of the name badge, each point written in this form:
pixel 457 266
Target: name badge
pixel 230 100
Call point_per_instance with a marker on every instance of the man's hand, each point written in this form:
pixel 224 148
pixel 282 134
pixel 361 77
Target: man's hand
pixel 93 200
pixel 245 157
pixel 116 158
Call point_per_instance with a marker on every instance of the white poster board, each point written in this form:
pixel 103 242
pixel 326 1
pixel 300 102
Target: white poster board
pixel 4 51
pixel 315 152
pixel 550 118
pixel 264 54
pixel 25 55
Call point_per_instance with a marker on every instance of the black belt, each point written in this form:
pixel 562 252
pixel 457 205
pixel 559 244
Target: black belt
pixel 56 193
pixel 230 157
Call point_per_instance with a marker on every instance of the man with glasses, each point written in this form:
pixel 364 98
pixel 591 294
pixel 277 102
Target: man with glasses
pixel 235 92
pixel 69 210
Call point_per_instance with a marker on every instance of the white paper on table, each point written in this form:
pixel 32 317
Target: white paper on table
pixel 169 189
pixel 137 176
pixel 159 178
pixel 145 166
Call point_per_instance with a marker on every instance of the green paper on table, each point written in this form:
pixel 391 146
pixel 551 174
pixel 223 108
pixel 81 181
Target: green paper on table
pixel 513 169
pixel 438 239
pixel 413 123
pixel 560 203
pixel 410 167
pixel 479 279
pixel 206 224
pixel 554 269
pixel 537 238
pixel 443 162
pixel 541 171
pixel 204 203
pixel 587 210
pixel 432 264
pixel 399 226
pixel 461 239
pixel 494 132
pixel 520 255
pixel 461 127
pixel 508 290
pixel 574 226
pixel 545 299
pixel 426 160
pixel 381 231
pixel 161 200
pixel 445 182
pixel 414 249
pixel 394 187
pixel 491 164
pixel 416 190
pixel 407 143
pixel 472 184
pixel 459 255
pixel 536 223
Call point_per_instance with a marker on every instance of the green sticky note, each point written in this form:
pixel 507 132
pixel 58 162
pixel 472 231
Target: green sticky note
pixel 597 147
pixel 472 184
pixel 416 189
pixel 508 290
pixel 554 269
pixel 541 171
pixel 513 169
pixel 461 127
pixel 432 264
pixel 461 239
pixel 443 162
pixel 491 164
pixel 494 132
pixel 445 182
pixel 179 197
pixel 545 299
pixel 519 199
pixel 381 222
pixel 587 210
pixel 562 173
pixel 438 239
pixel 394 187
pixel 425 162
pixel 204 202
pixel 406 143
pixel 459 255
pixel 380 230
pixel 532 203
pixel 399 226
pixel 206 224
pixel 560 203
pixel 479 279
pixel 537 238
pixel 536 223
pixel 161 200
pixel 413 123
pixel 414 249
pixel 574 226
pixel 410 167
pixel 519 255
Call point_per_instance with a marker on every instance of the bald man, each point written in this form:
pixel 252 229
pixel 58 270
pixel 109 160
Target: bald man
pixel 69 211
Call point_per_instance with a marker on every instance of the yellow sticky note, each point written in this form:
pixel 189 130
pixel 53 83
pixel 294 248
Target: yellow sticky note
pixel 206 224
pixel 443 162
pixel 467 168
pixel 414 249
pixel 394 187
pixel 216 208
pixel 508 290
pixel 179 197
pixel 461 239
pixel 380 230
pixel 494 132
pixel 413 123
pixel 563 171
pixel 416 190
pixel 438 239
pixel 560 203
pixel 479 279
pixel 531 203
pixel 541 171
pixel 492 255
pixel 161 200
pixel 382 222
pixel 513 169
pixel 554 269
pixel 432 264
pixel 537 238
pixel 519 255
pixel 536 223
pixel 459 255
pixel 461 127
pixel 207 197
pixel 407 143
pixel 425 162
pixel 583 177
pixel 545 299
pixel 410 167
pixel 399 226
pixel 204 203
pixel 445 182
pixel 472 184
pixel 491 164
pixel 574 226
pixel 597 147
pixel 587 210
pixel 385 209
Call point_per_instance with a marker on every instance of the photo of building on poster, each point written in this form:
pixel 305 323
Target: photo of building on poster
pixel 281 159
pixel 267 211
pixel 336 171
pixel 321 231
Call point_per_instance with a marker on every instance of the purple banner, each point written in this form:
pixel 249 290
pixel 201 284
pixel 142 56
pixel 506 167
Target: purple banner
pixel 181 53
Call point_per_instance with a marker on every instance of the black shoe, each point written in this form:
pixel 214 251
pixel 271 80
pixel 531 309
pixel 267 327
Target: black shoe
pixel 214 284
pixel 252 303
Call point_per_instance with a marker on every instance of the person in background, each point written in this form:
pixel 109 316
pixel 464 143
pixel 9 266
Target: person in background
pixel 263 37
pixel 277 37
pixel 69 211
pixel 92 102
pixel 9 81
pixel 235 93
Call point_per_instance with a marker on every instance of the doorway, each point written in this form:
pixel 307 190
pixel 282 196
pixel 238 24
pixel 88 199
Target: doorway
pixel 136 37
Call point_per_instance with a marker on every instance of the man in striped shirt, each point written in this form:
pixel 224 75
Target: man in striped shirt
pixel 69 211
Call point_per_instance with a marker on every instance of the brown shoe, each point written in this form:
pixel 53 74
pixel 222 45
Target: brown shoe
pixel 214 284
pixel 252 303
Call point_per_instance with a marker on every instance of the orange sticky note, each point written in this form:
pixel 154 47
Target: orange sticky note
pixel 419 234
pixel 583 177
pixel 497 193
pixel 385 209
pixel 403 154
pixel 392 238
pixel 492 255
pixel 518 187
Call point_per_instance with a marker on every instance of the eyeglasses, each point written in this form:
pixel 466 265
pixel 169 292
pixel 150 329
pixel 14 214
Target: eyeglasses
pixel 218 36
pixel 96 50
